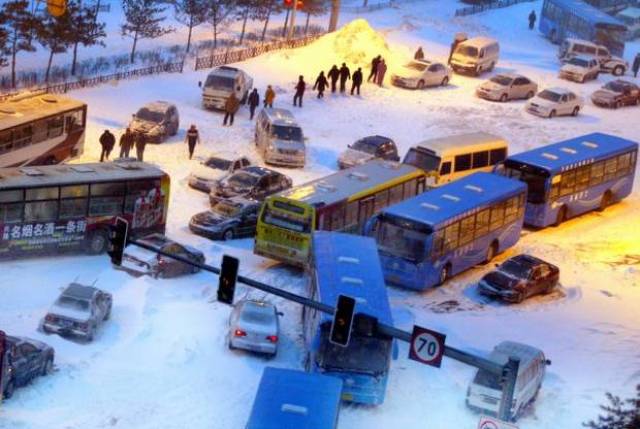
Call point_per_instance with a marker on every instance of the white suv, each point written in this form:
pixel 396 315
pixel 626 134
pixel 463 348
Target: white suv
pixel 608 63
pixel 580 69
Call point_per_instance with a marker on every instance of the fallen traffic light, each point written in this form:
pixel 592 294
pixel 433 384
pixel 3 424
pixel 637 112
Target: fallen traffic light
pixel 118 240
pixel 342 321
pixel 227 279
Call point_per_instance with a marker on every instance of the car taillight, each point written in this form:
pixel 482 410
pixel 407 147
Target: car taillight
pixel 240 333
pixel 50 318
pixel 273 338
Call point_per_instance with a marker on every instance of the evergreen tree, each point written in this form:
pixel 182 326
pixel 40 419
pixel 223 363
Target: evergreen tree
pixel 88 31
pixel 618 413
pixel 56 33
pixel 219 12
pixel 19 24
pixel 143 20
pixel 191 13
pixel 3 48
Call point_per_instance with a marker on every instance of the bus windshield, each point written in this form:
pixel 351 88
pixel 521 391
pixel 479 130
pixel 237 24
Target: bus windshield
pixel 281 219
pixel 368 355
pixel 400 238
pixel 536 182
pixel 425 160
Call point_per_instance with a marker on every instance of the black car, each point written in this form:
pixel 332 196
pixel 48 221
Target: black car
pixel 519 278
pixel 24 359
pixel 254 182
pixel 228 219
pixel 367 149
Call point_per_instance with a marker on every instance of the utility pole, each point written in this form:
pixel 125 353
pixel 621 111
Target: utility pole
pixel 335 13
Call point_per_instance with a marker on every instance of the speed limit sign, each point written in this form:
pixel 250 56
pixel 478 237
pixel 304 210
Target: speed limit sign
pixel 427 346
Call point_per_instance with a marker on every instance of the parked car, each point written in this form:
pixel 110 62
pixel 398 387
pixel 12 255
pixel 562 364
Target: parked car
pixel 215 168
pixel 617 93
pixel 139 261
pixel 24 359
pixel 231 218
pixel 519 278
pixel 508 86
pixel 254 182
pixel 78 311
pixel 157 120
pixel 553 102
pixel 419 74
pixel 580 69
pixel 221 82
pixel 254 326
pixel 475 55
pixel 367 149
pixel 608 63
pixel 279 138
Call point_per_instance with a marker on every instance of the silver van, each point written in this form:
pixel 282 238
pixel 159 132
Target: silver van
pixel 279 138
pixel 476 55
pixel 485 391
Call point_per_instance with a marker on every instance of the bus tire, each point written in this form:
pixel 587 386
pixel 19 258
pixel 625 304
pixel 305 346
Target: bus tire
pixel 605 201
pixel 97 242
pixel 445 273
pixel 492 251
pixel 561 216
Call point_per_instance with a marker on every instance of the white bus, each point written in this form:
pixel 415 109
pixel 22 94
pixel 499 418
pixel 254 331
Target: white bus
pixel 449 158
pixel 41 129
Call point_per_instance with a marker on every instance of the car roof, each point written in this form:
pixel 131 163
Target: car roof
pixel 281 117
pixel 559 90
pixel 158 106
pixel 624 82
pixel 526 259
pixel 258 171
pixel 375 140
pixel 479 42
pixel 500 354
pixel 77 290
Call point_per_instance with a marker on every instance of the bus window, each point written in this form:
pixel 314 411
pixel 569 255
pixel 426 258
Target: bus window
pixel 38 194
pixel 437 244
pixel 40 211
pixel 624 164
pixel 466 229
pixel 72 208
pixel 11 212
pixel 105 206
pixel 451 237
pixel 497 216
pixel 445 168
pixel 582 178
pixel 597 173
pixel 497 155
pixel 55 126
pixel 482 223
pixel 39 131
pixel 113 188
pixel 74 191
pixel 395 194
pixel 11 196
pixel 6 143
pixel 337 219
pixel 568 182
pixel 463 162
pixel 480 159
pixel 610 169
pixel 22 137
pixel 381 200
pixel 511 210
pixel 409 188
pixel 351 217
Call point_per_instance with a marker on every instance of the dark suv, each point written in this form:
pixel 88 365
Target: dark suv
pixel 253 182
pixel 519 278
pixel 367 149
pixel 23 360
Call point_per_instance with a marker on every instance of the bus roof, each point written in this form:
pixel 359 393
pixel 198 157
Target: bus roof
pixel 66 174
pixel 294 399
pixel 343 184
pixel 557 157
pixel 462 143
pixel 589 13
pixel 347 264
pixel 438 205
pixel 25 108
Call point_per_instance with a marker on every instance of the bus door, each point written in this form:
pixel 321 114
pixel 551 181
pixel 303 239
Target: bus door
pixel 420 186
pixel 366 209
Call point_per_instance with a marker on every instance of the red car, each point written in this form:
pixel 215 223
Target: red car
pixel 616 94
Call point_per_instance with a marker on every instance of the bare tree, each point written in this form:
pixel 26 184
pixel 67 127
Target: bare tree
pixel 87 30
pixel 263 12
pixel 56 33
pixel 313 8
pixel 143 20
pixel 247 9
pixel 18 23
pixel 3 48
pixel 190 13
pixel 218 14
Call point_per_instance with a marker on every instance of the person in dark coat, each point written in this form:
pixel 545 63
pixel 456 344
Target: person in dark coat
pixel 107 141
pixel 419 55
pixel 345 74
pixel 321 84
pixel 382 69
pixel 254 100
pixel 192 138
pixel 532 19
pixel 374 68
pixel 127 140
pixel 356 80
pixel 231 106
pixel 300 87
pixel 636 65
pixel 333 74
pixel 141 143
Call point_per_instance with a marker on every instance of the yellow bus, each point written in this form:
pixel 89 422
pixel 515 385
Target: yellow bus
pixel 343 201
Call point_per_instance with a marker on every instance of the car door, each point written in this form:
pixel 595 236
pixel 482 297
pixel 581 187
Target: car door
pixel 259 191
pixel 27 361
pixel 519 88
pixel 547 277
pixel 236 165
pixel 564 105
pixel 248 220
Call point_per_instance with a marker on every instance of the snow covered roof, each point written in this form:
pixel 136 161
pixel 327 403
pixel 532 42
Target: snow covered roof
pixel 587 12
pixel 158 106
pixel 463 142
pixel 526 353
pixel 25 108
pixel 77 290
pixel 224 71
pixel 281 117
pixel 479 42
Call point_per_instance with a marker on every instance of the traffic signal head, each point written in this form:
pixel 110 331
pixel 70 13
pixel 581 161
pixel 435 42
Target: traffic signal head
pixel 342 321
pixel 57 8
pixel 118 240
pixel 227 279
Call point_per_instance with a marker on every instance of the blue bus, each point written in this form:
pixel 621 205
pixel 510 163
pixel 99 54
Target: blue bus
pixel 562 19
pixel 349 265
pixel 427 239
pixel 574 176
pixel 289 399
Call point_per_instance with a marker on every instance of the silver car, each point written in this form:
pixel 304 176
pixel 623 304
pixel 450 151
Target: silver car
pixel 420 74
pixel 553 102
pixel 254 326
pixel 504 87
pixel 215 168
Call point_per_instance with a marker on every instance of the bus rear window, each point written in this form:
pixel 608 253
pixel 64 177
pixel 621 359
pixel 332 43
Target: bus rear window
pixel 288 207
pixel 279 219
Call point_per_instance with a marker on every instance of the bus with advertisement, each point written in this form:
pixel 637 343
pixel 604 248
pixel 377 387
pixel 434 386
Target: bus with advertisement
pixel 342 201
pixel 429 238
pixel 41 129
pixel 347 264
pixel 55 209
pixel 574 176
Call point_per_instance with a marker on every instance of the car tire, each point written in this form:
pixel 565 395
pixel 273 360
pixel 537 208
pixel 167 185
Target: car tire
pixel 47 368
pixel 530 94
pixel 605 201
pixel 552 114
pixel 230 346
pixel 9 389
pixel 420 84
pixel 445 273
pixel 97 242
pixel 228 234
pixel 445 81
pixel 576 111
pixel 561 216
pixel 617 71
pixel 504 98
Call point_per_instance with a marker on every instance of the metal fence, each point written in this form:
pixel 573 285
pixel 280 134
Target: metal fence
pixel 369 7
pixel 497 4
pixel 236 55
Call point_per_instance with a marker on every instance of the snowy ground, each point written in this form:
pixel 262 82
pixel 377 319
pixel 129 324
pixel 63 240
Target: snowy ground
pixel 162 361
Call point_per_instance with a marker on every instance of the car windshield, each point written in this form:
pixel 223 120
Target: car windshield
pixel 550 96
pixel 367 355
pixel 286 133
pixel 515 269
pixel 218 163
pixel 425 160
pixel 416 66
pixel 580 62
pixel 258 314
pixel 73 303
pixel 281 219
pixel 536 183
pixel 219 82
pixel 486 379
pixel 502 80
pixel 615 86
pixel 400 238
pixel 150 115
pixel 467 51
pixel 366 146
pixel 227 208
pixel 243 180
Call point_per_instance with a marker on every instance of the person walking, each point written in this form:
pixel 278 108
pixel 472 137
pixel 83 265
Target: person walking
pixel 192 138
pixel 636 65
pixel 333 74
pixel 532 19
pixel 419 55
pixel 107 141
pixel 300 87
pixel 321 84
pixel 356 80
pixel 231 106
pixel 254 100
pixel 374 68
pixel 345 74
pixel 141 143
pixel 269 96
pixel 127 141
pixel 382 69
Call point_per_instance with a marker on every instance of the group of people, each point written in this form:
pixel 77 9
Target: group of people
pixel 128 140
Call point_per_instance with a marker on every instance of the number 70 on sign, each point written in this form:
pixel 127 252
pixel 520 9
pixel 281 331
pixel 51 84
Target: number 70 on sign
pixel 426 346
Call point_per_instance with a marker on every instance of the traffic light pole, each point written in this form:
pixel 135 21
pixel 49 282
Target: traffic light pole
pixel 507 373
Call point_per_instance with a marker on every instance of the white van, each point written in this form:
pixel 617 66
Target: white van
pixel 571 48
pixel 279 138
pixel 476 55
pixel 221 82
pixel 450 158
pixel 485 391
